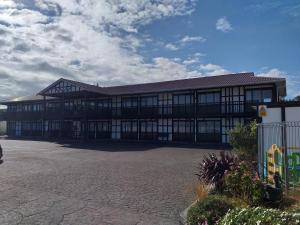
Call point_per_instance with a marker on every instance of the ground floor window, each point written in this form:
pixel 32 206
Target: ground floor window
pixel 209 131
pixel 99 129
pixel 54 128
pixel 25 128
pixel 129 129
pixel 183 130
pixel 148 130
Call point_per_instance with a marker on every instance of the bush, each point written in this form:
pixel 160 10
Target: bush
pixel 243 141
pixel 201 191
pixel 209 211
pixel 2 128
pixel 259 215
pixel 241 182
pixel 213 168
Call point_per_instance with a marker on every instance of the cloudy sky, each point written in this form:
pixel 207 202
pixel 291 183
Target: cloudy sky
pixel 114 42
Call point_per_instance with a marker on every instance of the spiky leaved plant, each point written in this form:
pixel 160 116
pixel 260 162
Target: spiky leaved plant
pixel 213 169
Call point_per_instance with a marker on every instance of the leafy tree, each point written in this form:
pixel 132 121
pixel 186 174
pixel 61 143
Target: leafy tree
pixel 244 141
pixel 297 98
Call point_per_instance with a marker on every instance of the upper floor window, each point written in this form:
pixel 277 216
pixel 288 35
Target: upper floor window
pixel 37 107
pixel 129 102
pixel 209 98
pixel 147 101
pixel 104 103
pixel 183 99
pixel 91 105
pixel 259 95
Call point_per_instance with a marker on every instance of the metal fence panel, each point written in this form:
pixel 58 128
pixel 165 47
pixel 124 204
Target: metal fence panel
pixel 279 151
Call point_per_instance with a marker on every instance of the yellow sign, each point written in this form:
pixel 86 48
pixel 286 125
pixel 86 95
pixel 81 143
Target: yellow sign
pixel 262 111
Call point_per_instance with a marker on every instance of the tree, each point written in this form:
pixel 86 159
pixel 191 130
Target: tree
pixel 297 98
pixel 244 141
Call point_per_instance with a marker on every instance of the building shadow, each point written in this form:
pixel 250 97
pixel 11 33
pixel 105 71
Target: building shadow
pixel 120 145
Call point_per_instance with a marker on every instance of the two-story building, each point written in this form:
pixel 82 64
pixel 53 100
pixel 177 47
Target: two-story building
pixel 199 110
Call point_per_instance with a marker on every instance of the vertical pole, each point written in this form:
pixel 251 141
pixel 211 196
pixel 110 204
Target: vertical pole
pixel 138 117
pixel 85 124
pixel 286 162
pixel 195 115
pixel 43 116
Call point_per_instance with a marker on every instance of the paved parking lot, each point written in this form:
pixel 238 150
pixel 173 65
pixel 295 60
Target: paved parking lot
pixel 71 184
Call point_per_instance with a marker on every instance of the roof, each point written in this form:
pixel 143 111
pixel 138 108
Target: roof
pixel 228 80
pixel 27 99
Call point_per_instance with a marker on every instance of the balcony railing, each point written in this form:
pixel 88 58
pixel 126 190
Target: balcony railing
pixel 166 111
pixel 183 110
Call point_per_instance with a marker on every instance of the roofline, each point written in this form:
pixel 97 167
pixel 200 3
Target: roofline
pixel 154 92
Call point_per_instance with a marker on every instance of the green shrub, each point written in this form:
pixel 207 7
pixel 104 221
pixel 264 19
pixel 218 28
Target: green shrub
pixel 243 141
pixel 2 128
pixel 242 183
pixel 259 216
pixel 209 210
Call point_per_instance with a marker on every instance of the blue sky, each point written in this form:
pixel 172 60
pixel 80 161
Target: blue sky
pixel 133 41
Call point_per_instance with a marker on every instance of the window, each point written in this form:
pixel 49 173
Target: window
pixel 259 95
pixel 129 102
pixel 209 127
pixel 129 126
pixel 103 126
pixel 267 95
pixel 91 105
pixel 183 99
pixel 104 103
pixel 209 131
pixel 208 98
pixel 148 126
pixel 147 101
pixel 183 126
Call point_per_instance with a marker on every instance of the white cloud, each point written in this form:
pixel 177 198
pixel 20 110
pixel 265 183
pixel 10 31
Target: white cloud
pixel 223 25
pixel 273 73
pixel 171 47
pixel 90 41
pixel 183 42
pixel 187 39
pixel 212 69
pixel 193 59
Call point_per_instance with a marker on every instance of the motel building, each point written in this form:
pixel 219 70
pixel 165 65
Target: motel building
pixel 196 110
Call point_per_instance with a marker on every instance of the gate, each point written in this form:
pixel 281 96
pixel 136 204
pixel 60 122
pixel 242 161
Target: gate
pixel 279 151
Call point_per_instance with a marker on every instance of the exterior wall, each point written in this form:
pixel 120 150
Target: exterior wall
pixel 292 113
pixel 168 121
pixel 273 115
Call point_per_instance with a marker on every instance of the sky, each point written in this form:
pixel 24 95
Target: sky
pixel 114 42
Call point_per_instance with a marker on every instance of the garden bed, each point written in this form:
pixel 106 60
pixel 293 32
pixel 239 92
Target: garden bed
pixel 230 191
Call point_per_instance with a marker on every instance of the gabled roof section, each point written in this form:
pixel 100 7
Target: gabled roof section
pixel 65 86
